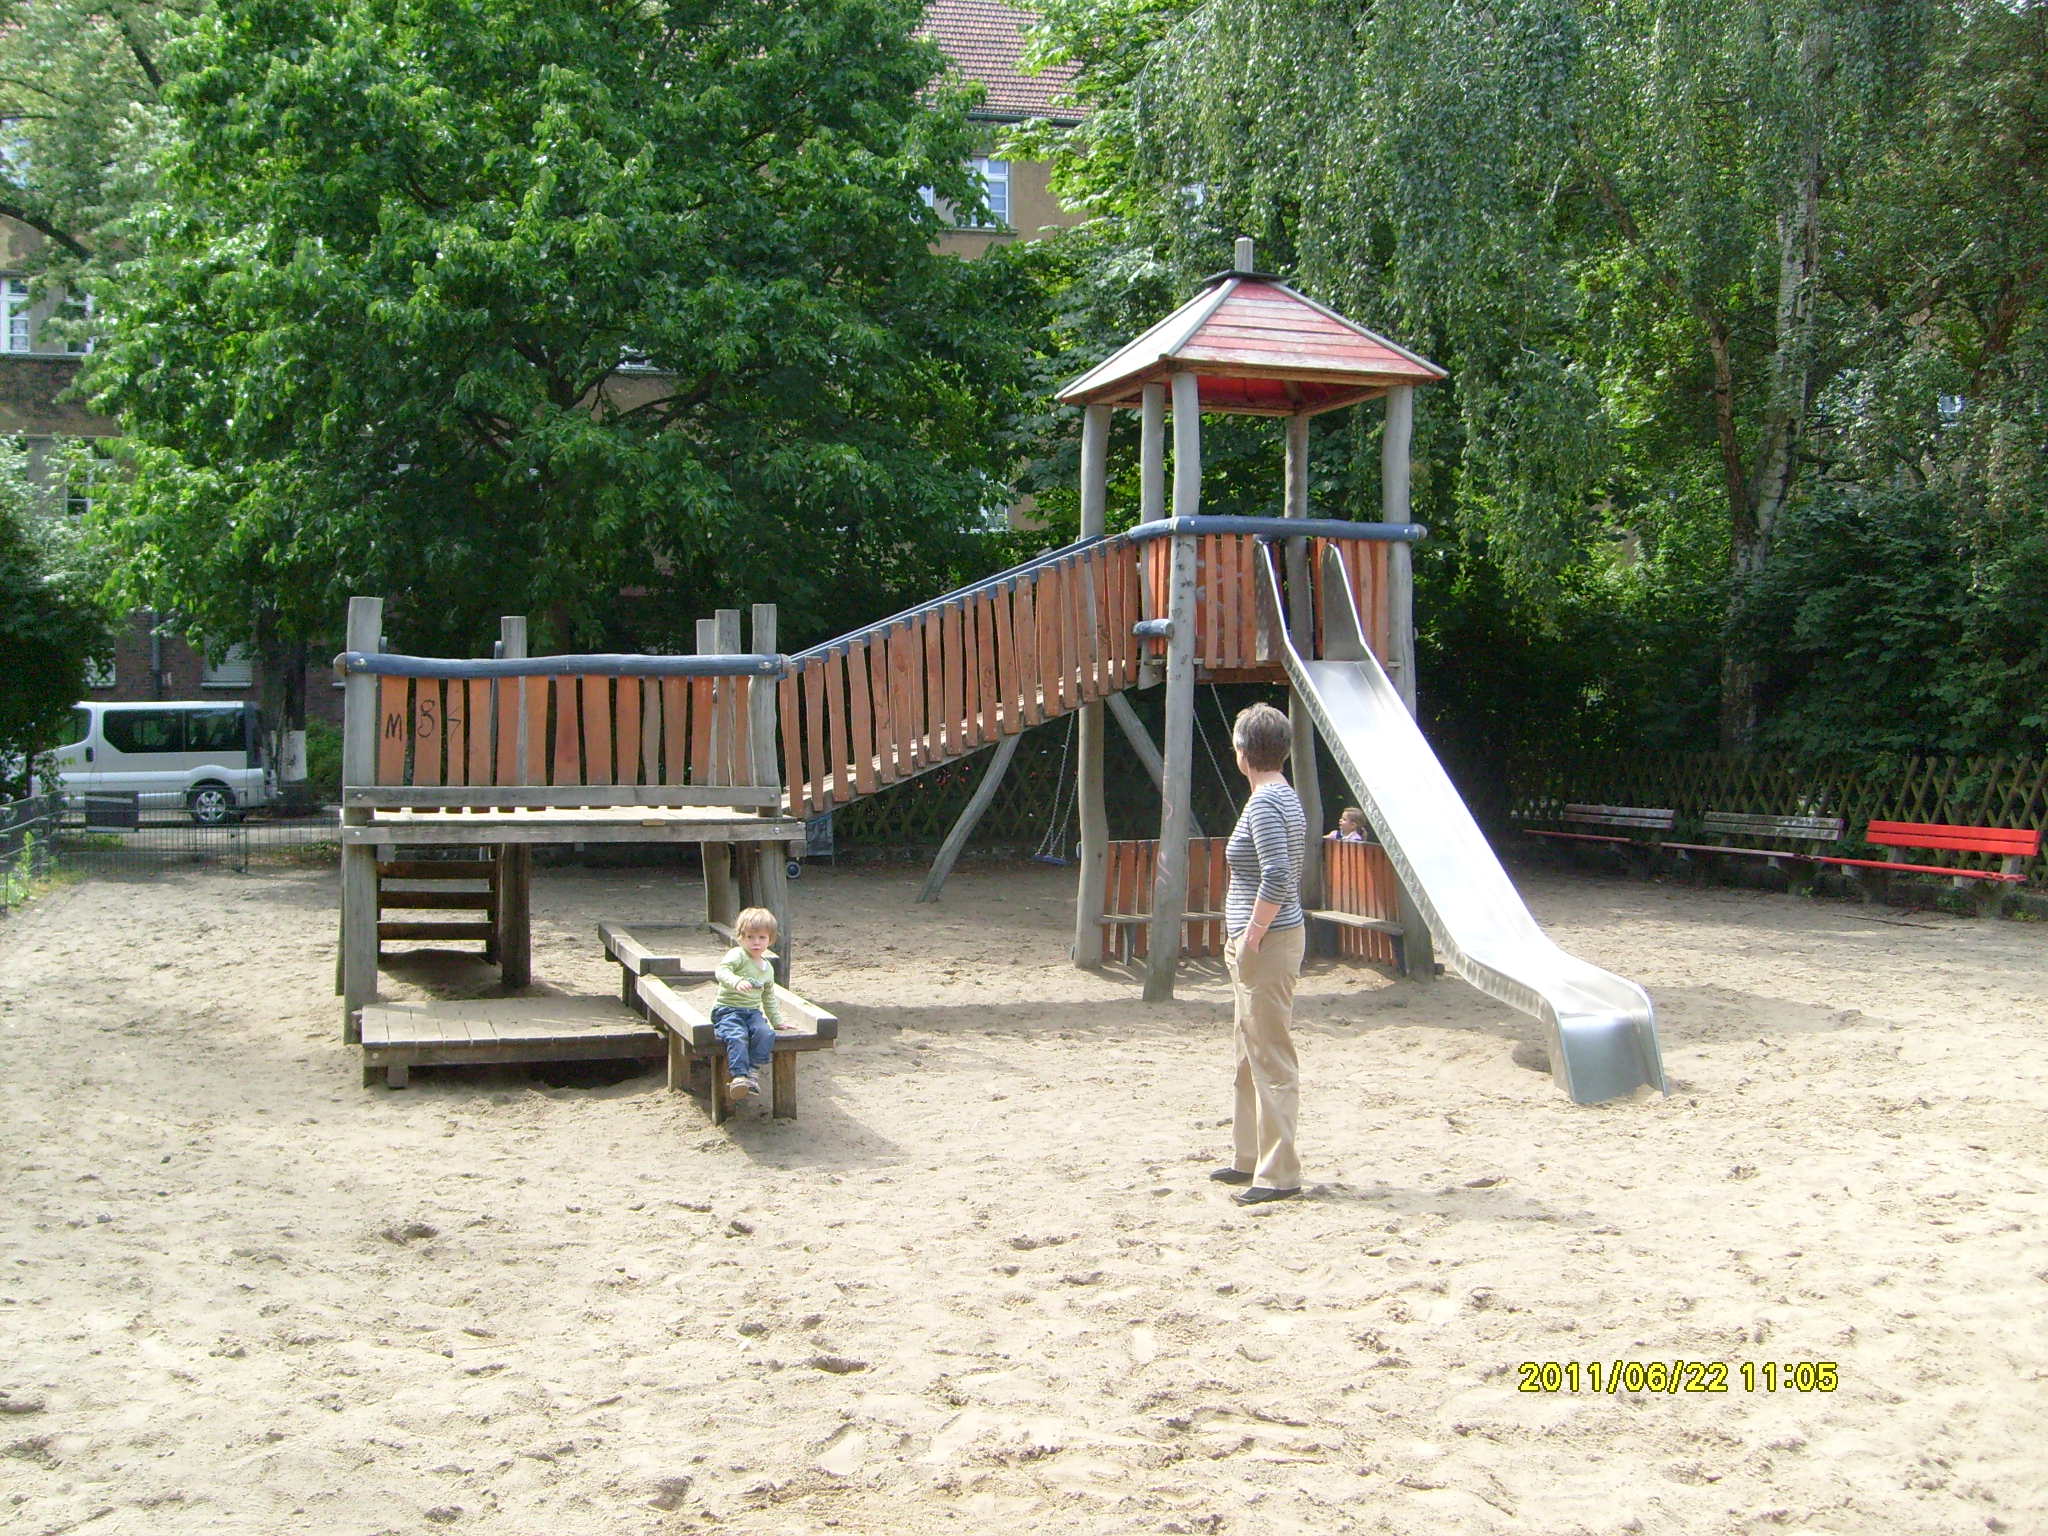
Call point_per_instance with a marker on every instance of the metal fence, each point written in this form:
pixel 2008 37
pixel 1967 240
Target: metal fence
pixel 90 842
pixel 28 845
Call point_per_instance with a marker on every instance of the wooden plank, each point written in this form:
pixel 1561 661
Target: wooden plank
pixel 504 692
pixel 988 703
pixel 594 709
pixel 674 728
pixel 791 724
pixel 568 758
pixel 909 695
pixel 881 692
pixel 625 740
pixel 432 930
pixel 537 700
pixel 394 728
pixel 427 737
pixel 860 718
pixel 1003 643
pixel 1045 597
pixel 702 769
pixel 954 660
pixel 934 690
pixel 836 726
pixel 561 796
pixel 943 660
pixel 1024 622
pixel 814 734
pixel 395 900
pixel 455 730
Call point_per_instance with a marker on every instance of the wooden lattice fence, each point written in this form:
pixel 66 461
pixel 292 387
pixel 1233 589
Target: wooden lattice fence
pixel 1965 791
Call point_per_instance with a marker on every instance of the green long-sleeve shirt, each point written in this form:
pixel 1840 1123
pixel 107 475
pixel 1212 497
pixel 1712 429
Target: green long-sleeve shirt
pixel 739 966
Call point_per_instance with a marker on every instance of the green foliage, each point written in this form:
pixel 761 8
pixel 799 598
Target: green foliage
pixel 521 304
pixel 78 83
pixel 323 758
pixel 49 627
pixel 1886 635
pixel 1688 265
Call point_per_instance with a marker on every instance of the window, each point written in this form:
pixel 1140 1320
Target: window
pixel 81 727
pixel 144 730
pixel 100 674
pixel 995 186
pixel 236 669
pixel 13 314
pixel 213 730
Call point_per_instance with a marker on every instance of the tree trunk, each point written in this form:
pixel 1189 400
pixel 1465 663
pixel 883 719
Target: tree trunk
pixel 1757 501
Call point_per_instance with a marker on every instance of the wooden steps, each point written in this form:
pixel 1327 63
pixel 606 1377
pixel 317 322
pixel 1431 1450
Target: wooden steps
pixel 438 885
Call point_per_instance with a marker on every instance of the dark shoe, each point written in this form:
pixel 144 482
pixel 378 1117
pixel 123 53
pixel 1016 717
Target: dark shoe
pixel 1260 1195
pixel 1230 1176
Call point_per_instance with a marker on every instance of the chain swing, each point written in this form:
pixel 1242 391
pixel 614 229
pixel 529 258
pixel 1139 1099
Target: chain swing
pixel 1064 791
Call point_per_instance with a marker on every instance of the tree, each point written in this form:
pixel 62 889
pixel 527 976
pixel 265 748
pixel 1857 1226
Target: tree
pixel 49 626
pixel 605 311
pixel 1623 226
pixel 78 86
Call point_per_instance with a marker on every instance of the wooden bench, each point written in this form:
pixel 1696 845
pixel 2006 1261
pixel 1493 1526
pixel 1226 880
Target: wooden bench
pixel 1630 819
pixel 1353 920
pixel 682 1012
pixel 668 950
pixel 2012 846
pixel 1777 829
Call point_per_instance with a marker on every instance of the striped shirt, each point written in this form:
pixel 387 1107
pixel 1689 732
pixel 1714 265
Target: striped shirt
pixel 1264 853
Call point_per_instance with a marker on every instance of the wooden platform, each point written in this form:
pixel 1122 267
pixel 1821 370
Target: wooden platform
pixel 585 824
pixel 673 950
pixel 479 1031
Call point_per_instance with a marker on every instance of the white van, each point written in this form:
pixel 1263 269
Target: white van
pixel 205 756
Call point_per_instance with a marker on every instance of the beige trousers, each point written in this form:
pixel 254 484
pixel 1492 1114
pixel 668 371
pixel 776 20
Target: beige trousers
pixel 1268 1082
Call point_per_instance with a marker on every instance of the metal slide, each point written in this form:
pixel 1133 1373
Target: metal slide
pixel 1603 1030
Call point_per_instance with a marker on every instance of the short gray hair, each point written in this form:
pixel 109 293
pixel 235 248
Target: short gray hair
pixel 1263 735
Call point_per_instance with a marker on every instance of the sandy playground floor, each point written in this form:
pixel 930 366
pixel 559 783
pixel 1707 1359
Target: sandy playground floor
pixel 982 1285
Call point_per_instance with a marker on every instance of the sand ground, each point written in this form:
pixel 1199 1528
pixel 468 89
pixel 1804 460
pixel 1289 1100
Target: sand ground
pixel 981 1284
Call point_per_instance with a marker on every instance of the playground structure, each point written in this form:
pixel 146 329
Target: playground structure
pixel 731 750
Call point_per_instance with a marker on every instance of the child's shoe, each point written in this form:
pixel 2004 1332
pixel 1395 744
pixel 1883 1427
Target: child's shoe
pixel 740 1088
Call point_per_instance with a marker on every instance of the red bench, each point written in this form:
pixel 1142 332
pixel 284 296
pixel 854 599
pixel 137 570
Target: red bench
pixel 2012 846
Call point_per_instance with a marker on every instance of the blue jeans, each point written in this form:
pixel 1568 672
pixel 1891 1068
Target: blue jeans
pixel 748 1038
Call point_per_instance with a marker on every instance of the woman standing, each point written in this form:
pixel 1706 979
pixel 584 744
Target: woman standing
pixel 1267 935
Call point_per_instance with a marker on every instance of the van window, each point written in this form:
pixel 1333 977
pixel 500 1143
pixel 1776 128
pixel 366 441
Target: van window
pixel 213 730
pixel 81 726
pixel 144 730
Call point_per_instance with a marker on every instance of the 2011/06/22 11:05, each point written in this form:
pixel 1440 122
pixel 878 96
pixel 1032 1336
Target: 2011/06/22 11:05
pixel 1675 1376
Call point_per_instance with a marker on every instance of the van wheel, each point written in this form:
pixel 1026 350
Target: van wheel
pixel 212 805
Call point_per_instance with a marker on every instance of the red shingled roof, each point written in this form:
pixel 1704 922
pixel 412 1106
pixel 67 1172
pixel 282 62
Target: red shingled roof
pixel 1258 348
pixel 984 40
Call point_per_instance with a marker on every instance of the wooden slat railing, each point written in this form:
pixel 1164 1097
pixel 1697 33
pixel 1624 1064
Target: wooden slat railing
pixel 563 738
pixel 948 677
pixel 1127 898
pixel 1359 878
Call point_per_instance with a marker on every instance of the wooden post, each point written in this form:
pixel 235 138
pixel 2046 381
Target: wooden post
pixel 1151 500
pixel 721 893
pixel 514 941
pixel 1394 451
pixel 1301 629
pixel 770 860
pixel 1170 884
pixel 970 815
pixel 1418 953
pixel 359 860
pixel 1088 798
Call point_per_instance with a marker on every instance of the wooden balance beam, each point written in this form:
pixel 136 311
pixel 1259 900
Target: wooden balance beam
pixel 682 1012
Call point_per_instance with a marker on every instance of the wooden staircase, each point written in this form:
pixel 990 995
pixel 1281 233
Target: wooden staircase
pixel 441 886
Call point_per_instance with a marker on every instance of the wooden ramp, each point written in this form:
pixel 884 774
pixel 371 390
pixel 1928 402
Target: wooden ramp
pixel 486 1030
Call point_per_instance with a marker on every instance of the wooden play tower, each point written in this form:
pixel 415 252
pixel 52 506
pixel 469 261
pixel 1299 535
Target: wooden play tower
pixel 454 769
pixel 1247 344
